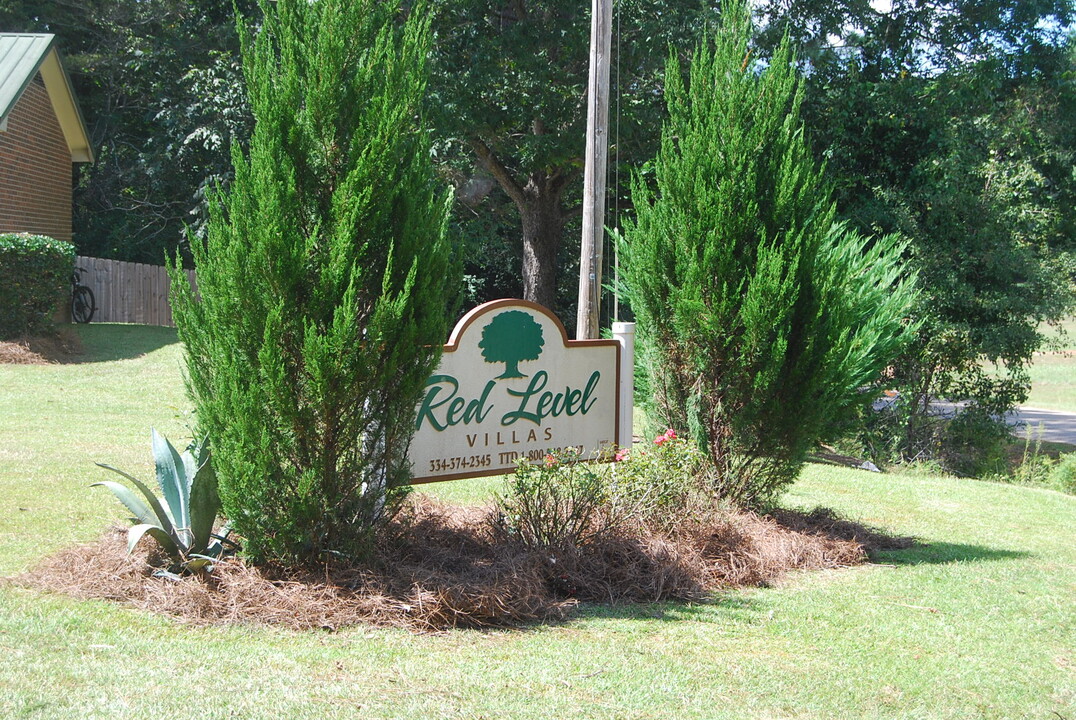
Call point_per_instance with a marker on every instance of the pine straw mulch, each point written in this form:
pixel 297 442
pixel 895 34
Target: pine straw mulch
pixel 450 569
pixel 59 347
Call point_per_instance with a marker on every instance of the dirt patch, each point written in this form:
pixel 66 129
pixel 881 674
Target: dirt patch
pixel 62 346
pixel 449 569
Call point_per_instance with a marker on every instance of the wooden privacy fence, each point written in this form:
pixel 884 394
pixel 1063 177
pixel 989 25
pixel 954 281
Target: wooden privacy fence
pixel 128 292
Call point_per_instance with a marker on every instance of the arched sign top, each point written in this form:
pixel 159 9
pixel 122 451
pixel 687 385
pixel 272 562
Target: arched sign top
pixel 512 386
pixel 474 314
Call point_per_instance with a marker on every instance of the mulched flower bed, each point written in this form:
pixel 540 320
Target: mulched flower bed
pixel 444 567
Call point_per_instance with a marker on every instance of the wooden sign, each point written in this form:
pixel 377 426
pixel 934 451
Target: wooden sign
pixel 511 385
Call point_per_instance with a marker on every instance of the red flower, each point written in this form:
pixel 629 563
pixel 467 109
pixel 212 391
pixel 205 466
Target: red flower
pixel 550 460
pixel 669 434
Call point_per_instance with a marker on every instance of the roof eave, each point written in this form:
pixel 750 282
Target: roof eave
pixel 64 104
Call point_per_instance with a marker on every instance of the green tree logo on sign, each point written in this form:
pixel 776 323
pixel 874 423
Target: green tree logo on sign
pixel 511 338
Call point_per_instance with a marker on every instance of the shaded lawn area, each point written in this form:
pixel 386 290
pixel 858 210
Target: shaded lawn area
pixel 977 621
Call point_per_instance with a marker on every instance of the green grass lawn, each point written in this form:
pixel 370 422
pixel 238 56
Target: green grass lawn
pixel 977 621
pixel 1053 382
pixel 1053 373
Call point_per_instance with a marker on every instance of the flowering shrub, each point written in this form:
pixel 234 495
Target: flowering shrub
pixel 661 484
pixel 557 503
pixel 560 503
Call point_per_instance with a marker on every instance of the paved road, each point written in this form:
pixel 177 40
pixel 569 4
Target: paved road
pixel 1056 426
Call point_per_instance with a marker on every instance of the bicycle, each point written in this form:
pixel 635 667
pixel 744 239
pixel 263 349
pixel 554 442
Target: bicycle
pixel 83 304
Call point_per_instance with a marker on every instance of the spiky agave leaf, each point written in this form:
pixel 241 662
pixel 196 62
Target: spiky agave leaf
pixel 172 479
pixel 137 532
pixel 148 510
pixel 194 457
pixel 203 501
pixel 189 485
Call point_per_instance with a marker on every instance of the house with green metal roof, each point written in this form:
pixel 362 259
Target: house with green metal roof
pixel 42 133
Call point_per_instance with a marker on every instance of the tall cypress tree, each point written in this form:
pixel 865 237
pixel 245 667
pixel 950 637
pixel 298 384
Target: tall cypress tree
pixel 760 316
pixel 325 281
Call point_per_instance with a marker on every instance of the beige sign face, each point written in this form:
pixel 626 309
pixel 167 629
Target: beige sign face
pixel 510 386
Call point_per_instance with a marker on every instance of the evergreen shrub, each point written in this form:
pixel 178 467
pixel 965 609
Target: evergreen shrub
pixel 325 281
pixel 761 318
pixel 35 271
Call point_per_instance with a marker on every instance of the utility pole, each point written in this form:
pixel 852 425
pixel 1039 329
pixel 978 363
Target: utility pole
pixel 597 152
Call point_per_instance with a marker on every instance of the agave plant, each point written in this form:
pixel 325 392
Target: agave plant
pixel 181 520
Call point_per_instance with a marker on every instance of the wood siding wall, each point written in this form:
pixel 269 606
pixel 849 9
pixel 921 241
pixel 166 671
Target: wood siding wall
pixel 128 292
pixel 35 168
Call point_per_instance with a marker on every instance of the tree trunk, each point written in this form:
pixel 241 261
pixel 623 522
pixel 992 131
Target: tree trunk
pixel 543 229
pixel 543 215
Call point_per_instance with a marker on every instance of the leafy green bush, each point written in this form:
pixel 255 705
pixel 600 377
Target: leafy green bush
pixel 1063 475
pixel 35 270
pixel 973 444
pixel 760 318
pixel 1032 470
pixel 555 504
pixel 181 520
pixel 325 281
pixel 968 441
pixel 1037 469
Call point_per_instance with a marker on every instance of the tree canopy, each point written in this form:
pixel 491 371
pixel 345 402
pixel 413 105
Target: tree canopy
pixel 944 122
pixel 509 85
